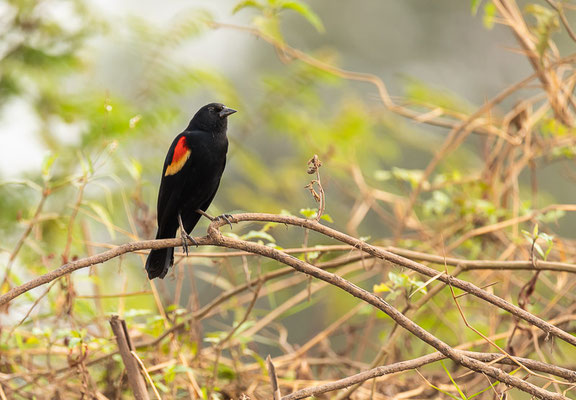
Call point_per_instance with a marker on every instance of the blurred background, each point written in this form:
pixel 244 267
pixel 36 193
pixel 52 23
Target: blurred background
pixel 92 93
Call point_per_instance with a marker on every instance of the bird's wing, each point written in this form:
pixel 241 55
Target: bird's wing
pixel 169 190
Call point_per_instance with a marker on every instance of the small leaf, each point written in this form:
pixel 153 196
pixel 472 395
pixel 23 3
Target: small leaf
pixel 413 176
pixel 47 166
pixel 399 280
pixel 304 10
pixel 259 235
pixel 381 288
pixel 269 25
pixel 382 175
pixel 134 167
pixel 551 216
pixel 73 342
pixel 247 4
pixel 539 250
pixel 546 237
pixel 327 218
pixel 308 213
pixel 475 4
pixel 489 15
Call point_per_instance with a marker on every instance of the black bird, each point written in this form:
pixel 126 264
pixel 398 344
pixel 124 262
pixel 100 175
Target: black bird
pixel 190 178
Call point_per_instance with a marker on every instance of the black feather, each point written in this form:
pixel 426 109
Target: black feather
pixel 194 185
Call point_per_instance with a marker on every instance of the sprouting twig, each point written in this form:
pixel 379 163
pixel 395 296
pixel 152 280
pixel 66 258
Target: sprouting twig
pixel 314 165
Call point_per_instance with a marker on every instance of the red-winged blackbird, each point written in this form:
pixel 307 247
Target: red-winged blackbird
pixel 191 175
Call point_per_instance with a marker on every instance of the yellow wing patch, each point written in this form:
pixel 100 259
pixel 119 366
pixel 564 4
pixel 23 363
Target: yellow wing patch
pixel 181 155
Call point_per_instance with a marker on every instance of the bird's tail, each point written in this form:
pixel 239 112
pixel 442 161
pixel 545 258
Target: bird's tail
pixel 159 262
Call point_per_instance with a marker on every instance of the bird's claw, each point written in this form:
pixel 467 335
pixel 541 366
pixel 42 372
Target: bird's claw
pixel 225 217
pixel 190 238
pixel 185 236
pixel 184 244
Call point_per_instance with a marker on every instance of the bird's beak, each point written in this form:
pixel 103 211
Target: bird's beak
pixel 226 112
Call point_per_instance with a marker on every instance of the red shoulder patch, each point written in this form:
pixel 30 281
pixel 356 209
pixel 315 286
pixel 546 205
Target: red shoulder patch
pixel 181 155
pixel 180 150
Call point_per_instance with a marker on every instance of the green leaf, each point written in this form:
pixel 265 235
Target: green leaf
pixel 259 235
pixel 551 216
pixel 489 15
pixel 269 25
pixel 546 23
pixel 327 218
pixel 86 163
pixel 413 176
pixel 134 167
pixel 308 212
pixel 382 175
pixel 225 372
pixel 399 280
pixel 462 395
pixel 247 4
pixel 420 287
pixel 381 288
pixel 73 342
pixel 47 166
pixel 539 250
pixel 304 10
pixel 474 5
pixel 438 204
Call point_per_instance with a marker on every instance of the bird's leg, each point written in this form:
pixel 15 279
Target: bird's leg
pixel 184 235
pixel 225 217
pixel 205 214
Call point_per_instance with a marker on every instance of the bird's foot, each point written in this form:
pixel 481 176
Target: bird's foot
pixel 225 217
pixel 190 238
pixel 184 244
pixel 185 236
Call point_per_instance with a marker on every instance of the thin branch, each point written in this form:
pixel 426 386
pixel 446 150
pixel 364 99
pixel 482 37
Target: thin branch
pixel 419 362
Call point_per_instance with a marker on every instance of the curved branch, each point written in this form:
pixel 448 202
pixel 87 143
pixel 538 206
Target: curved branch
pixel 419 362
pixel 366 296
pixel 215 238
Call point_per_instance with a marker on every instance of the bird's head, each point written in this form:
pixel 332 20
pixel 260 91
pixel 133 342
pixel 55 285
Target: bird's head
pixel 212 117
